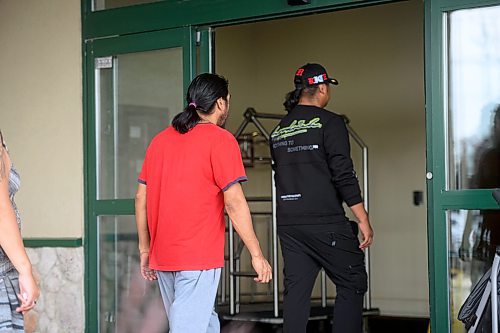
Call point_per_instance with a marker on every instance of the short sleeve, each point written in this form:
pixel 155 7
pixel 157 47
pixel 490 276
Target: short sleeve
pixel 143 175
pixel 227 164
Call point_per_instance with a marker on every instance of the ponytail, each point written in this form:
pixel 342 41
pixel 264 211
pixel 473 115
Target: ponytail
pixel 292 99
pixel 186 120
pixel 201 97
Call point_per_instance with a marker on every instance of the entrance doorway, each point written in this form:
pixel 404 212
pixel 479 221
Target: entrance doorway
pixel 377 55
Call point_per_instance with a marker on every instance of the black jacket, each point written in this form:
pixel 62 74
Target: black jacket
pixel 314 171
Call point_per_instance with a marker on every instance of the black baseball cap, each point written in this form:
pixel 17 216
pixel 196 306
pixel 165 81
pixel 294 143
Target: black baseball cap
pixel 311 75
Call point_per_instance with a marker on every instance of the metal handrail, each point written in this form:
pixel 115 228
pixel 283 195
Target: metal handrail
pixel 364 149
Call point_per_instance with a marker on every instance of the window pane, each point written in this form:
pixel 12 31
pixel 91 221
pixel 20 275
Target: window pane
pixel 108 4
pixel 474 97
pixel 127 302
pixel 473 238
pixel 136 98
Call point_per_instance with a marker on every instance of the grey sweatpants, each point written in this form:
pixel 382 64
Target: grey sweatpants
pixel 189 298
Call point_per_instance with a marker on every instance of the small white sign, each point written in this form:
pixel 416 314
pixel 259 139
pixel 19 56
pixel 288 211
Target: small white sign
pixel 135 132
pixel 104 62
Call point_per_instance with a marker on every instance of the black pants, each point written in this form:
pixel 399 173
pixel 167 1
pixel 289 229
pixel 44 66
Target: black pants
pixel 335 247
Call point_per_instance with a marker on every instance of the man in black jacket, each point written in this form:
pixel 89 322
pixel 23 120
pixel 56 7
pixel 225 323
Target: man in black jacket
pixel 314 176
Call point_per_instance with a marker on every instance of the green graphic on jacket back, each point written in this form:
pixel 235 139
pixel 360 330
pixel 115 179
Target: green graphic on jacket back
pixel 295 128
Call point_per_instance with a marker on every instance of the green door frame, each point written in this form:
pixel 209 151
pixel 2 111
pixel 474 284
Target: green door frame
pixel 171 14
pixel 439 197
pixel 148 41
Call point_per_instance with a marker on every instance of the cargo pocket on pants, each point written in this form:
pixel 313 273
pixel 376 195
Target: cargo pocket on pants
pixel 352 259
pixel 359 277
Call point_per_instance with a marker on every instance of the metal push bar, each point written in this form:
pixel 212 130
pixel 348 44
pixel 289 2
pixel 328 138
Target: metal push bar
pixel 364 149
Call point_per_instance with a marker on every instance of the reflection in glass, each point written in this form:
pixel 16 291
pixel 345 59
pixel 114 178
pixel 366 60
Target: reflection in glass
pixel 127 302
pixel 136 99
pixel 474 98
pixel 472 242
pixel 108 4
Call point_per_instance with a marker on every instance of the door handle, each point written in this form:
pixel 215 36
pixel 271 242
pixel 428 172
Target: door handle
pixel 496 195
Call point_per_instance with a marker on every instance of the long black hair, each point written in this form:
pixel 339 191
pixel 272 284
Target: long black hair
pixel 292 98
pixel 202 94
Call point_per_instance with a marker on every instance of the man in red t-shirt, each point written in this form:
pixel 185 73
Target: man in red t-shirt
pixel 191 172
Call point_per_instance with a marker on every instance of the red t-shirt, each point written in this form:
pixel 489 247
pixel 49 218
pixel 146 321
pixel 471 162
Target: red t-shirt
pixel 185 176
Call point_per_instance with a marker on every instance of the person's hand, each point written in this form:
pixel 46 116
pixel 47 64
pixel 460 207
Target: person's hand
pixel 366 234
pixel 464 253
pixel 146 272
pixel 29 292
pixel 262 268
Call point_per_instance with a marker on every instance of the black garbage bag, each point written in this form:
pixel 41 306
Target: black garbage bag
pixel 468 311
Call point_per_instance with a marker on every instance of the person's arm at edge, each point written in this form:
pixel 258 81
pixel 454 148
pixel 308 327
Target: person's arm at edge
pixel 363 224
pixel 239 213
pixel 12 242
pixel 141 220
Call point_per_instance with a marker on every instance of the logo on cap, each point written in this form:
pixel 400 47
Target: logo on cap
pixel 317 79
pixel 311 75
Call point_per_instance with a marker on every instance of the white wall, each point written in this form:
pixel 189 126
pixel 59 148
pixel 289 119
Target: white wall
pixel 377 55
pixel 41 112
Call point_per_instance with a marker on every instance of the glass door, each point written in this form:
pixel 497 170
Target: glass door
pixel 135 86
pixel 463 126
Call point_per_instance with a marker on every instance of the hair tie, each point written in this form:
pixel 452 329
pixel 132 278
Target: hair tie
pixel 193 104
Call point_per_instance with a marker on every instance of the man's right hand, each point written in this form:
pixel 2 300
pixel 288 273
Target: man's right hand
pixel 262 268
pixel 146 272
pixel 366 233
